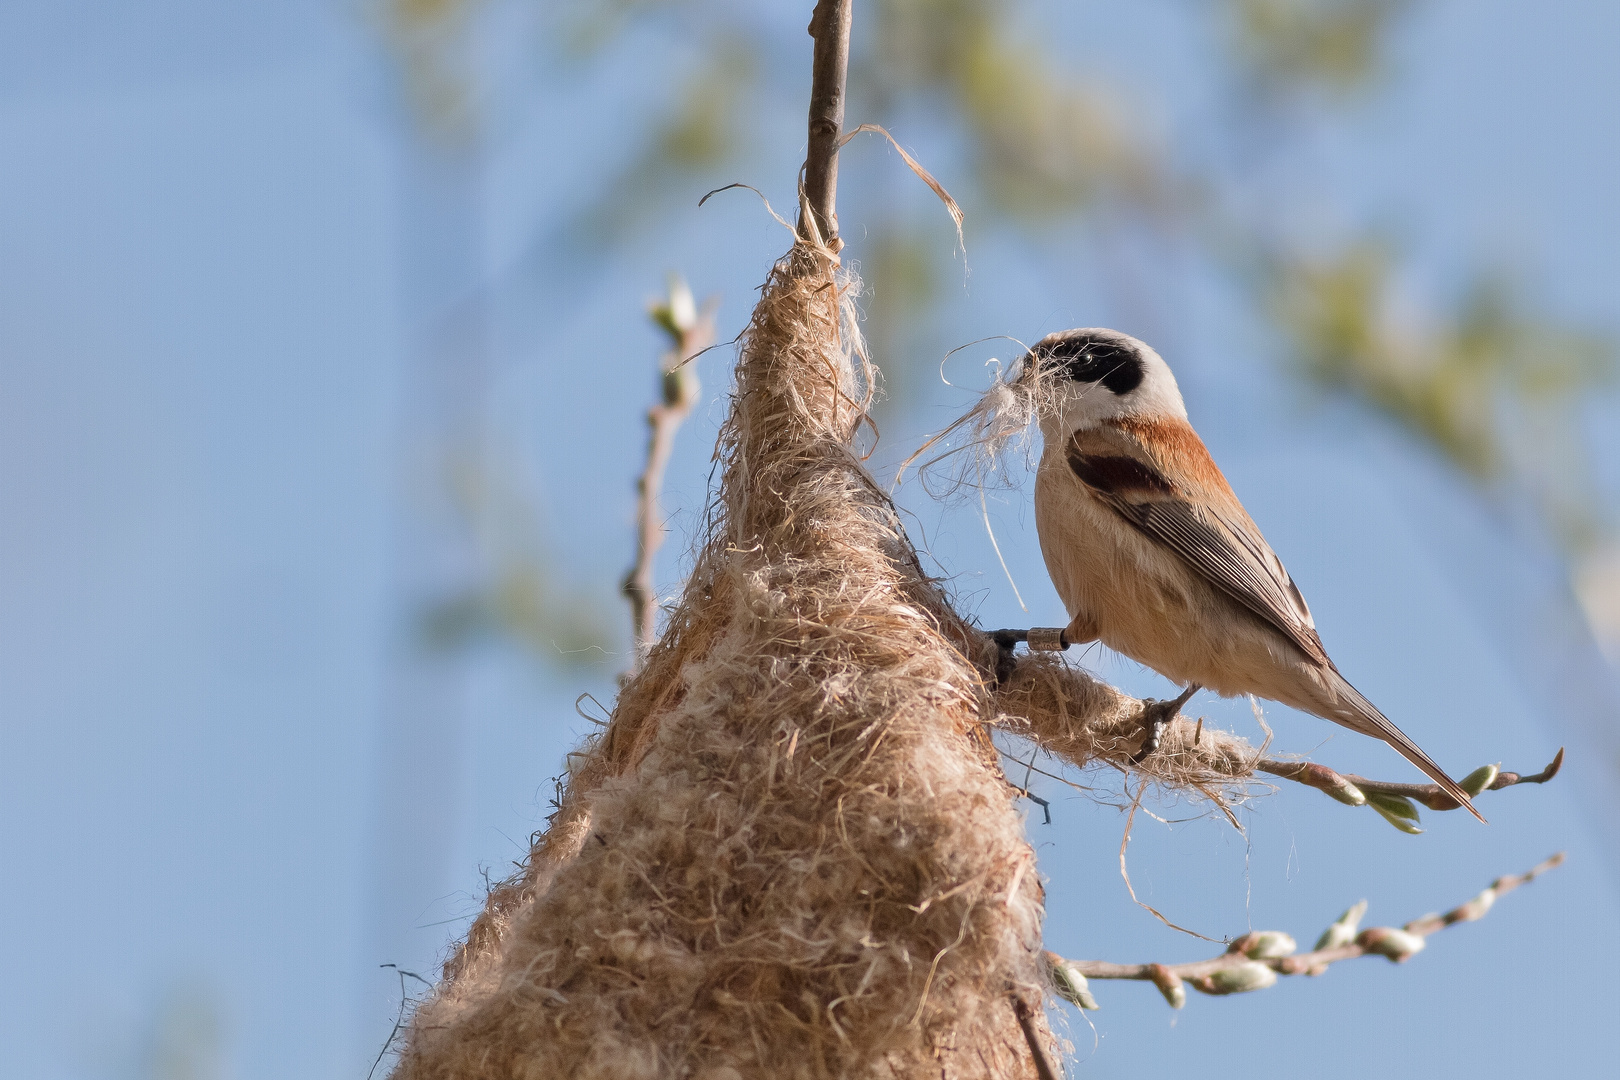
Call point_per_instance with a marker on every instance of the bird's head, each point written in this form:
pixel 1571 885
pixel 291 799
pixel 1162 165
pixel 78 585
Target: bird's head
pixel 1088 376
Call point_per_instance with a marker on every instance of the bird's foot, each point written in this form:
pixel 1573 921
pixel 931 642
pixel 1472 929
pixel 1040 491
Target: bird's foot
pixel 1005 641
pixel 1039 639
pixel 1156 716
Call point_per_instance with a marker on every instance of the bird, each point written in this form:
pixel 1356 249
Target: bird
pixel 1154 556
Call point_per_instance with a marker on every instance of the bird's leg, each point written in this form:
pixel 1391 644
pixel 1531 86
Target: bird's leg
pixel 1156 716
pixel 1039 639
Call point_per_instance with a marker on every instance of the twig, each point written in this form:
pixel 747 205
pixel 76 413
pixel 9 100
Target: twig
pixel 1069 714
pixel 1043 1066
pixel 829 25
pixel 1394 800
pixel 399 1021
pixel 1253 961
pixel 690 331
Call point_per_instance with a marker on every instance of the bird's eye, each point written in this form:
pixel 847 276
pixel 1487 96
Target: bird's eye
pixel 1090 360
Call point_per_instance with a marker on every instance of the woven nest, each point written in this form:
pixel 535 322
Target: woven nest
pixel 791 853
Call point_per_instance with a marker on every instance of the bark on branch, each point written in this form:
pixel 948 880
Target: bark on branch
pixel 1253 961
pixel 829 25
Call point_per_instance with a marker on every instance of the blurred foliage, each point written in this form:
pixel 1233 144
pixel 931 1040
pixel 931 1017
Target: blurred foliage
pixel 516 596
pixel 1040 144
pixel 430 39
pixel 1046 141
pixel 698 131
pixel 187 1037
pixel 1332 45
pixel 1490 385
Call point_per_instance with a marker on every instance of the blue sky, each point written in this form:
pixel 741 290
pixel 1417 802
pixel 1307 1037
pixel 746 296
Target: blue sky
pixel 226 269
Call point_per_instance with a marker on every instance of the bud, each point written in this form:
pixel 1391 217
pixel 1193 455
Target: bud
pixel 1170 985
pixel 1478 780
pixel 681 385
pixel 1346 792
pixel 1268 945
pixel 1238 979
pixel 1069 983
pixel 1343 932
pixel 1475 908
pixel 1398 810
pixel 677 313
pixel 682 307
pixel 1326 780
pixel 1398 945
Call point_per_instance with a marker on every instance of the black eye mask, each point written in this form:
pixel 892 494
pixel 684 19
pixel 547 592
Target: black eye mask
pixel 1087 359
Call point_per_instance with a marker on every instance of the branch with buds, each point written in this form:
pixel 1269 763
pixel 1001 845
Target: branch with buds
pixel 1397 803
pixel 1253 961
pixel 1073 716
pixel 690 332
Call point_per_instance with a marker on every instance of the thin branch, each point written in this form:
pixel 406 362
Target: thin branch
pixel 829 25
pixel 691 331
pixel 1070 714
pixel 1026 1021
pixel 399 1021
pixel 1253 961
pixel 1344 786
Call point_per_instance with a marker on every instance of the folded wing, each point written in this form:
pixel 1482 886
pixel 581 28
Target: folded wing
pixel 1216 537
pixel 1224 548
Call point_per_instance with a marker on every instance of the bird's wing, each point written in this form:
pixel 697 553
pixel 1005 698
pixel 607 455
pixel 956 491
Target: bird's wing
pixel 1212 535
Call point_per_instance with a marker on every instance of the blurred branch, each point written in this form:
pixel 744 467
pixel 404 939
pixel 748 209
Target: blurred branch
pixel 1253 961
pixel 690 332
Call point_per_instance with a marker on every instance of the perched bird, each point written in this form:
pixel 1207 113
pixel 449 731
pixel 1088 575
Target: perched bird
pixel 1153 554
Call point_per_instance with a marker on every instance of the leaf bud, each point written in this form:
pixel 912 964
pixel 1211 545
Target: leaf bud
pixel 1238 979
pixel 1269 945
pixel 1398 945
pixel 1333 784
pixel 1475 908
pixel 1170 985
pixel 1478 780
pixel 1343 932
pixel 1069 983
pixel 1398 810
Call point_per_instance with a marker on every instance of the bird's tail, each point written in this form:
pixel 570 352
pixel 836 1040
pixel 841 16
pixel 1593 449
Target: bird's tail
pixel 1364 717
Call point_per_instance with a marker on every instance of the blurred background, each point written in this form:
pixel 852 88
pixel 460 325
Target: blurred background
pixel 324 362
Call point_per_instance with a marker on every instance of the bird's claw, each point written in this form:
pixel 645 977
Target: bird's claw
pixel 1005 641
pixel 1156 716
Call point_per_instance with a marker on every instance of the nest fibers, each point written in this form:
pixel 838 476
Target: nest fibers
pixel 998 426
pixel 791 852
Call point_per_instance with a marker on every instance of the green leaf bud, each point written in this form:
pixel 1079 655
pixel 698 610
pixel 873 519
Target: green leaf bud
pixel 1398 810
pixel 1478 780
pixel 1343 932
pixel 1069 983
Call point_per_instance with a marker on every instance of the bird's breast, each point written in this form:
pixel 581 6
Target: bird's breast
pixel 1143 599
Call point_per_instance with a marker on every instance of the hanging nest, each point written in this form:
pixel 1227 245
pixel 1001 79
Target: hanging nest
pixel 792 853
